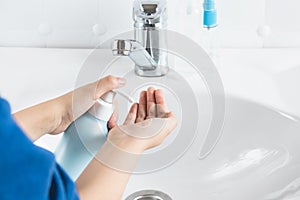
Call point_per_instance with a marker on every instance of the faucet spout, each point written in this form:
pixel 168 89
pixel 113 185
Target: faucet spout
pixel 136 52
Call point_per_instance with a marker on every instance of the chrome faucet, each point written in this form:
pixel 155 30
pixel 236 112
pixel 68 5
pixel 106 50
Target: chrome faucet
pixel 148 49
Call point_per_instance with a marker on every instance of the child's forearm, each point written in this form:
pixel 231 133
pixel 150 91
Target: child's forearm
pixel 107 175
pixel 99 182
pixel 40 119
pixel 56 115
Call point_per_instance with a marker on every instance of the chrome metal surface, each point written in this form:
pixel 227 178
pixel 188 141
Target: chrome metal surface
pixel 148 50
pixel 149 195
pixel 136 52
pixel 151 13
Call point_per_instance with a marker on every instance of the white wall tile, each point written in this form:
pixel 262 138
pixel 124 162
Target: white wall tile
pixel 19 21
pixel 20 15
pixel 69 38
pixel 278 39
pixel 117 14
pixel 23 38
pixel 71 14
pixel 283 15
pixel 238 22
pixel 241 15
pixel 71 22
pixel 283 19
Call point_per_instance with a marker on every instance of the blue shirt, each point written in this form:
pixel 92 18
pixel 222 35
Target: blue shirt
pixel 26 171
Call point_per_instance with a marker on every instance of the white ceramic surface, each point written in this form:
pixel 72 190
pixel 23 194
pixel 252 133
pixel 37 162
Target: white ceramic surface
pixel 257 156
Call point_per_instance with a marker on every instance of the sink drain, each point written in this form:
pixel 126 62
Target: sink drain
pixel 149 195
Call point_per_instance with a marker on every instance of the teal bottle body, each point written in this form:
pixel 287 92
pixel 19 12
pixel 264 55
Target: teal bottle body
pixel 84 137
pixel 80 144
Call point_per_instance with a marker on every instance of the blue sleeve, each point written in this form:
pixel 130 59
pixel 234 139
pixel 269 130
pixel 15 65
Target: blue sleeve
pixel 27 171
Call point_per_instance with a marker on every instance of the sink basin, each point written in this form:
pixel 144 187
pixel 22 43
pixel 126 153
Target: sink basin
pixel 257 157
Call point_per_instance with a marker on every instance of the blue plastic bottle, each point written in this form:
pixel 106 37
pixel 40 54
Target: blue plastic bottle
pixel 84 137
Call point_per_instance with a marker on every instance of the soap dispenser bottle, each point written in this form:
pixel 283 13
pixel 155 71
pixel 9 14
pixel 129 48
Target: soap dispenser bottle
pixel 84 137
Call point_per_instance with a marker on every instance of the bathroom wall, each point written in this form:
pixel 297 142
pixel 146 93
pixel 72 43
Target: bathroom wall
pixel 85 23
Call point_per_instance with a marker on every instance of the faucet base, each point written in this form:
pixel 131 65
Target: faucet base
pixel 158 72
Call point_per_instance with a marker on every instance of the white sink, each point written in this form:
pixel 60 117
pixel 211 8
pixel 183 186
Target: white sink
pixel 257 158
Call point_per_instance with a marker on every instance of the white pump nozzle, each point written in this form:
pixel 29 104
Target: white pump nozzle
pixel 109 97
pixel 104 108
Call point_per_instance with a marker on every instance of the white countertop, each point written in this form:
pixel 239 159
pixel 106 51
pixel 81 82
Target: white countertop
pixel 31 75
pixel 267 76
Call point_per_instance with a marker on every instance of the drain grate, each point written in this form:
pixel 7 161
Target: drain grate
pixel 149 195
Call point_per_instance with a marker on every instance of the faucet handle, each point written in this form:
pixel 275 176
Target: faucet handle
pixel 149 9
pixel 149 12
